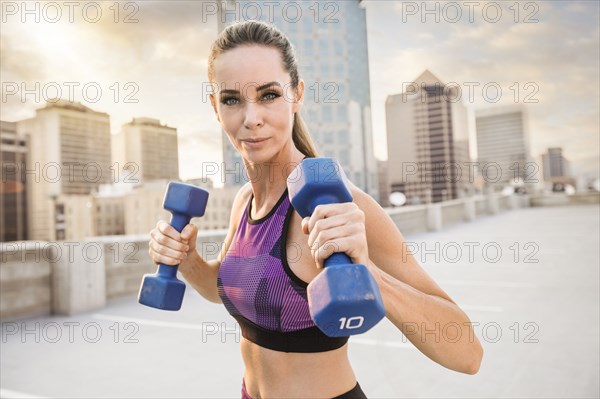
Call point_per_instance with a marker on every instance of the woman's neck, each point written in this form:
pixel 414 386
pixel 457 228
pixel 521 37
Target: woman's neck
pixel 269 180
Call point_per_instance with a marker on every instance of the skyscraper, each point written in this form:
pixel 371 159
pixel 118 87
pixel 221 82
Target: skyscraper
pixel 555 164
pixel 145 150
pixel 13 195
pixel 503 145
pixel 337 103
pixel 428 146
pixel 69 153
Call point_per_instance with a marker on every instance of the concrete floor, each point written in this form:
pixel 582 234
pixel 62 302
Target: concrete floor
pixel 537 309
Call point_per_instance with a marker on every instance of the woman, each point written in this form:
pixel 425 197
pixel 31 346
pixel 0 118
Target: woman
pixel 270 254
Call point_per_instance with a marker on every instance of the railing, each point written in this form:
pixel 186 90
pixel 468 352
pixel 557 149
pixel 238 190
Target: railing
pixel 41 278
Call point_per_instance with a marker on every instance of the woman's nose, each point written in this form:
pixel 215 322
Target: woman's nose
pixel 253 115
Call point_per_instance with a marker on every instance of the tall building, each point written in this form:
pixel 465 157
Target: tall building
pixel 69 154
pixel 143 207
pixel 428 142
pixel 83 216
pixel 555 164
pixel 145 150
pixel 503 144
pixel 337 102
pixel 384 187
pixel 13 192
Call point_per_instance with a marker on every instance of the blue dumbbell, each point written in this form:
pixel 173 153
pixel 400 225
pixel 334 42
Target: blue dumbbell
pixel 343 299
pixel 163 290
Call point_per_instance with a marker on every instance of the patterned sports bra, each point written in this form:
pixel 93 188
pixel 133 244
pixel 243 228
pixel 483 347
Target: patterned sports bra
pixel 262 293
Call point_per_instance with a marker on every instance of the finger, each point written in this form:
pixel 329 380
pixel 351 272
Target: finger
pixel 304 225
pixel 165 251
pixel 329 210
pixel 348 245
pixel 324 251
pixel 168 242
pixel 329 223
pixel 167 260
pixel 188 231
pixel 168 230
pixel 336 233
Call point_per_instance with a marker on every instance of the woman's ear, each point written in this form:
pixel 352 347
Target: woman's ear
pixel 214 105
pixel 299 97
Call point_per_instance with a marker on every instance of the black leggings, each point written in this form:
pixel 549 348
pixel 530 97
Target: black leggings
pixel 354 393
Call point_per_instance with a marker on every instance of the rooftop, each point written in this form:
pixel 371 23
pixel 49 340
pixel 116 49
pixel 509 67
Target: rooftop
pixel 528 277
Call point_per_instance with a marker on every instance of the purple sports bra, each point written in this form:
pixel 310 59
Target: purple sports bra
pixel 262 293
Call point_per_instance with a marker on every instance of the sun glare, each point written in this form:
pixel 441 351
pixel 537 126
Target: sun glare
pixel 58 43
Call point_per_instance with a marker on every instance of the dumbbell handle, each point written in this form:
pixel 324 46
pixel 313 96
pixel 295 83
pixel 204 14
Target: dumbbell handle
pixel 338 258
pixel 178 222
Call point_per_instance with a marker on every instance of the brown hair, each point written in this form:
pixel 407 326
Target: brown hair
pixel 262 33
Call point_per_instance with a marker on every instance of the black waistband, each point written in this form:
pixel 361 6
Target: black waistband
pixel 308 340
pixel 354 393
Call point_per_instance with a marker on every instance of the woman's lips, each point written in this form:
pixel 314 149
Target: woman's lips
pixel 254 143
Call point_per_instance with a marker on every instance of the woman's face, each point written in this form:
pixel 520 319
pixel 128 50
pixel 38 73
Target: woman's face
pixel 255 102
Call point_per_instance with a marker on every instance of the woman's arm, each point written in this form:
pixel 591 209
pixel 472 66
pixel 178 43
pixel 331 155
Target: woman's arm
pixel 413 301
pixel 201 274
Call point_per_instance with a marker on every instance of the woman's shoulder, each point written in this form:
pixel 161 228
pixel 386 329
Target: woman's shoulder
pixel 377 221
pixel 364 200
pixel 244 192
pixel 240 200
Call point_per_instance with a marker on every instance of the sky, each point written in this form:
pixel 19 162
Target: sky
pixel 149 58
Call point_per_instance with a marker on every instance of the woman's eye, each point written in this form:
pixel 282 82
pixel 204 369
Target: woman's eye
pixel 267 97
pixel 229 100
pixel 270 96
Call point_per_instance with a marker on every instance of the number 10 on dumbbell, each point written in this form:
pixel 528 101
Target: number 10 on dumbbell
pixel 343 299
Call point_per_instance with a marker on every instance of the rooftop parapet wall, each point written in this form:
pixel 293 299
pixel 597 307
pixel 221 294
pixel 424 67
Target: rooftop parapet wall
pixel 39 278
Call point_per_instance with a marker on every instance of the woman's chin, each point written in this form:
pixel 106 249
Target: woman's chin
pixel 261 156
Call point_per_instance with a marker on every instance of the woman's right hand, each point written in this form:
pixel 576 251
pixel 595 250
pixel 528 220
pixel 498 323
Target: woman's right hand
pixel 168 246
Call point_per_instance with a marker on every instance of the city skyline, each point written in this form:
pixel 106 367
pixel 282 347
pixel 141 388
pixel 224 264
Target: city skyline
pixel 164 68
pixel 337 104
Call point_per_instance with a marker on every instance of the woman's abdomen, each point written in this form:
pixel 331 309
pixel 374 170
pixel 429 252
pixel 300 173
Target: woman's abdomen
pixel 271 373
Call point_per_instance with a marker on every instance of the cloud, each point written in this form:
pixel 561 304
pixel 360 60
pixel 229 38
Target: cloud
pixel 557 58
pixel 164 55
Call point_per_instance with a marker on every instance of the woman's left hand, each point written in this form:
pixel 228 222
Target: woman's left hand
pixel 337 228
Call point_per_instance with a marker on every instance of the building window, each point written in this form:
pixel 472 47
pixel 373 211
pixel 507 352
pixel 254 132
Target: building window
pixel 328 137
pixel 324 70
pixel 343 156
pixel 341 113
pixel 339 47
pixel 308 47
pixel 308 23
pixel 323 48
pixel 327 113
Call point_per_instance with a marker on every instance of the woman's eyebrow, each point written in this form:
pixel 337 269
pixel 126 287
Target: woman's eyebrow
pixel 259 88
